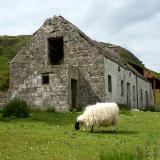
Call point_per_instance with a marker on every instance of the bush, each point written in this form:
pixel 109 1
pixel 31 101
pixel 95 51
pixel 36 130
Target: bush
pixel 124 109
pixel 16 108
pixel 153 108
pixel 157 108
pixel 50 109
pixel 150 108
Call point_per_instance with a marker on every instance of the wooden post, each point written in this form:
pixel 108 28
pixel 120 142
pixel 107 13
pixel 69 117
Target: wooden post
pixel 154 90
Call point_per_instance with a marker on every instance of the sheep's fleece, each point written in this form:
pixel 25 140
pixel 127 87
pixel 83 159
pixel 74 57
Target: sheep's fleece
pixel 101 114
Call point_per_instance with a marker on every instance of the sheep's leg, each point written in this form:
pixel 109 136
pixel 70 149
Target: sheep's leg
pixel 91 129
pixel 113 127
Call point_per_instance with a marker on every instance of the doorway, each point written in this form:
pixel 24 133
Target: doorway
pixel 128 95
pixel 146 99
pixel 74 94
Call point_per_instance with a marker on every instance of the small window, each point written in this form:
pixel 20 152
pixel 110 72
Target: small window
pixel 119 68
pixel 130 74
pixel 122 88
pixel 45 79
pixel 109 83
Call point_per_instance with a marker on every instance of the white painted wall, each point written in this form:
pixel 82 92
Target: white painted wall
pixel 145 87
pixel 125 75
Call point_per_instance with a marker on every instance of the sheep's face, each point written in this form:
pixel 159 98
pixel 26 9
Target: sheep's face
pixel 77 124
pixel 80 121
pixel 77 127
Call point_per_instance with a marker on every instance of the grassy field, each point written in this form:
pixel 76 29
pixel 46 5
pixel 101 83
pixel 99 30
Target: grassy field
pixel 51 136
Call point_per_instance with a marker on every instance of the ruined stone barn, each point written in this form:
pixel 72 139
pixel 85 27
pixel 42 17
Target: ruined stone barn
pixel 62 67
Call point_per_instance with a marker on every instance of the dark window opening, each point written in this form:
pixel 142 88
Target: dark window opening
pixel 109 83
pixel 122 88
pixel 134 93
pixel 56 53
pixel 128 94
pixel 147 102
pixel 74 93
pixel 45 79
pixel 119 68
pixel 141 97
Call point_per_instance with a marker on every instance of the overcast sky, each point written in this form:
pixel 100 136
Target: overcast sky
pixel 133 24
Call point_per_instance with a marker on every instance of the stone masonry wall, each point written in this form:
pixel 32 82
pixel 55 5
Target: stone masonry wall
pixel 82 62
pixel 27 67
pixel 46 96
pixel 79 52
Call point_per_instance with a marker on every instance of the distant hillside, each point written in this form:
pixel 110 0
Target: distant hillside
pixel 127 56
pixel 9 46
pixel 124 53
pixel 158 75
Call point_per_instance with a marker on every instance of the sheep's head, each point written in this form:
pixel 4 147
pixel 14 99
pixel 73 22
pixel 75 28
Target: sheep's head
pixel 80 120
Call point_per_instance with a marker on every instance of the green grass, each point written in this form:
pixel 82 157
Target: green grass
pixel 9 47
pixel 48 135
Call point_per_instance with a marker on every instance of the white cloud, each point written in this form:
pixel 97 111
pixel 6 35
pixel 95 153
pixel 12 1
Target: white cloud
pixel 133 24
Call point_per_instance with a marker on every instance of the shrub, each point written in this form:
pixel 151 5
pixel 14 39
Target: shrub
pixel 157 108
pixel 150 108
pixel 124 109
pixel 153 108
pixel 16 108
pixel 50 109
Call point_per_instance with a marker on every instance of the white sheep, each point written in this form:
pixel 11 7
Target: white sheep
pixel 100 114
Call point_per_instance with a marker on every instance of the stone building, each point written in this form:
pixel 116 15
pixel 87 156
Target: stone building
pixel 61 67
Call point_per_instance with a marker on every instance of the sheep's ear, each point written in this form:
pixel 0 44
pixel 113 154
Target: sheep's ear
pixel 77 125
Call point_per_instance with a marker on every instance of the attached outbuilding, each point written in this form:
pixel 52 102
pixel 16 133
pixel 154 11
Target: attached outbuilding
pixel 62 67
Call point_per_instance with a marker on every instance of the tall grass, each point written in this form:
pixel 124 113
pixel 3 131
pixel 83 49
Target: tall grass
pixel 140 153
pixel 117 155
